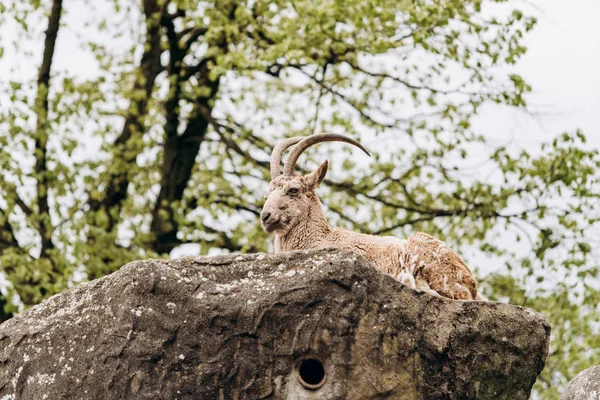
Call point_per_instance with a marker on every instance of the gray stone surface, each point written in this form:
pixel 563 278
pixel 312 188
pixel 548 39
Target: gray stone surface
pixel 585 385
pixel 236 327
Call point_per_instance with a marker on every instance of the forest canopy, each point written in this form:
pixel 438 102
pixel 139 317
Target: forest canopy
pixel 152 136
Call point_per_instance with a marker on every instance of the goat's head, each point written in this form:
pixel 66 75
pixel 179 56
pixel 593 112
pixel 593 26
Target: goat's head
pixel 290 196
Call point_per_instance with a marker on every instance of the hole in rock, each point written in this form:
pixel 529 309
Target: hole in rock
pixel 311 373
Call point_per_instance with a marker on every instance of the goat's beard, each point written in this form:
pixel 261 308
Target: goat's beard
pixel 272 228
pixel 282 227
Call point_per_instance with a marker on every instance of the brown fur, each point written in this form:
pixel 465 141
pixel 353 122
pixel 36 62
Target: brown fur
pixel 422 261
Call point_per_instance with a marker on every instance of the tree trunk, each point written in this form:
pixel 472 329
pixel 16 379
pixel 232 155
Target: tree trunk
pixel 179 159
pixel 42 131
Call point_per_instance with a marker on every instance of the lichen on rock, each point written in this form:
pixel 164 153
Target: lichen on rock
pixel 584 386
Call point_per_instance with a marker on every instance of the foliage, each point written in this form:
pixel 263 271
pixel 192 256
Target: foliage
pixel 166 140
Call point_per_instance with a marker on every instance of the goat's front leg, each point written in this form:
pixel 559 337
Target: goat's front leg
pixel 409 265
pixel 440 267
pixel 406 278
pixel 399 266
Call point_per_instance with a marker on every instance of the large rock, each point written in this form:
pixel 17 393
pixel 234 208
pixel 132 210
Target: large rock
pixel 585 385
pixel 303 325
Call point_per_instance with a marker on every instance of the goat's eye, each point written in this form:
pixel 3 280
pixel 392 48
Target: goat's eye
pixel 292 191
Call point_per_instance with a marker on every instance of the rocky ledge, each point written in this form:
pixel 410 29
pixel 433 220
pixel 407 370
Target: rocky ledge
pixel 304 325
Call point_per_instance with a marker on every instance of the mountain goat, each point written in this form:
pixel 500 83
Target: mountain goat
pixel 293 213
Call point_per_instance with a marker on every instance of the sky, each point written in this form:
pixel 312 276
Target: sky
pixel 561 64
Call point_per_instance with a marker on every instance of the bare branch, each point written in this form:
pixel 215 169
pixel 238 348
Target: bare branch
pixel 408 84
pixel 194 34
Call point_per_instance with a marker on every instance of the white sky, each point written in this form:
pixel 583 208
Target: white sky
pixel 563 66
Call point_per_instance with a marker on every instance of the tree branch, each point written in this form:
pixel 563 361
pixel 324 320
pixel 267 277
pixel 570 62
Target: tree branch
pixel 41 135
pixel 7 235
pixel 176 55
pixel 194 35
pixel 408 84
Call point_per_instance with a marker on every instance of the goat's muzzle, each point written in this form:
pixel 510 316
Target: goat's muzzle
pixel 269 222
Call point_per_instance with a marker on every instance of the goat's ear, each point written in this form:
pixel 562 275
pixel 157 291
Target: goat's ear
pixel 315 178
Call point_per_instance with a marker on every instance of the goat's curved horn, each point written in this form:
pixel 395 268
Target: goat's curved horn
pixel 278 152
pixel 290 163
